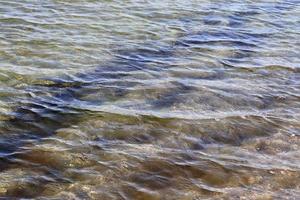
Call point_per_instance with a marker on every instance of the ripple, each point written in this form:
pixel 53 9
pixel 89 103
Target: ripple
pixel 149 100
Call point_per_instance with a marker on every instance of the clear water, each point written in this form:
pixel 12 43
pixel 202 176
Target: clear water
pixel 178 99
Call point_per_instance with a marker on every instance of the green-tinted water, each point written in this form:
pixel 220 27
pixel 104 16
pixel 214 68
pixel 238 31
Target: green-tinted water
pixel 149 99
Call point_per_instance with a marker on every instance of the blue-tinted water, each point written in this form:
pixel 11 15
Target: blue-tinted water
pixel 149 99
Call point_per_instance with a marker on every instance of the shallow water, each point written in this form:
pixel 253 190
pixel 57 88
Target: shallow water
pixel 150 99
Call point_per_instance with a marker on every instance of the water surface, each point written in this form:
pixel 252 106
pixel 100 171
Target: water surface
pixel 138 99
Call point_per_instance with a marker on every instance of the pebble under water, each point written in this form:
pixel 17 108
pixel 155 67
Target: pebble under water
pixel 178 99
